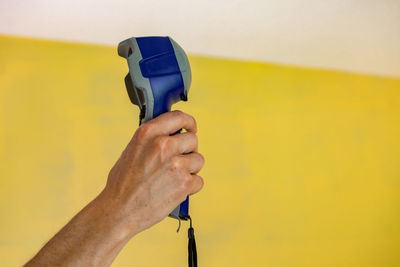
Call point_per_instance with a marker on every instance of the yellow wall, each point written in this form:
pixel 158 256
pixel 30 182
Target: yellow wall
pixel 302 165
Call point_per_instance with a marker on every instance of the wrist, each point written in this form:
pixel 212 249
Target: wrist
pixel 122 214
pixel 112 222
pixel 104 220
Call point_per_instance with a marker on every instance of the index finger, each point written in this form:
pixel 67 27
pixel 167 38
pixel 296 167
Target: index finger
pixel 170 122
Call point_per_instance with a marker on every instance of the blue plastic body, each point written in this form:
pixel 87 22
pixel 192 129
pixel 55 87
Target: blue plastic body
pixel 160 66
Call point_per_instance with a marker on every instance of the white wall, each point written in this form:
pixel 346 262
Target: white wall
pixel 355 35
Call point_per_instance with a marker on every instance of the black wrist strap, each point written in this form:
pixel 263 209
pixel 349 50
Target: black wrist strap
pixel 192 252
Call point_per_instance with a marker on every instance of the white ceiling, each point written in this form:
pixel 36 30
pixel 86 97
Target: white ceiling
pixel 355 35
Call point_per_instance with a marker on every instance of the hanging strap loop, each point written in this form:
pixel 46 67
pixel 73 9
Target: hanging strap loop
pixel 192 252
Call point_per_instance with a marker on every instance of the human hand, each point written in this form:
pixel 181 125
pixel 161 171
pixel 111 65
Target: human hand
pixel 155 172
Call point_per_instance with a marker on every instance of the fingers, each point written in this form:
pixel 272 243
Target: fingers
pixel 170 122
pixel 197 184
pixel 184 143
pixel 192 162
pixel 186 168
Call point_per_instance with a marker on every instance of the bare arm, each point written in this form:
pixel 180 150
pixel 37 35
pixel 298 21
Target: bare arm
pixel 154 174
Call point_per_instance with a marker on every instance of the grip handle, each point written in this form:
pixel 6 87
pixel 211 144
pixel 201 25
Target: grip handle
pixel 182 211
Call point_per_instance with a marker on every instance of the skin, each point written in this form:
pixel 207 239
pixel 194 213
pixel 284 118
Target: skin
pixel 153 175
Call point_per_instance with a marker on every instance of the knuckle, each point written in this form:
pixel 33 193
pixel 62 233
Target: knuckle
pixel 201 182
pixel 193 121
pixel 143 130
pixel 195 138
pixel 185 184
pixel 180 193
pixel 168 143
pixel 192 135
pixel 186 181
pixel 183 117
pixel 178 112
pixel 201 159
pixel 160 143
pixel 174 164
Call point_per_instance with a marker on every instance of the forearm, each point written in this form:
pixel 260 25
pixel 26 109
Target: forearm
pixel 155 172
pixel 92 238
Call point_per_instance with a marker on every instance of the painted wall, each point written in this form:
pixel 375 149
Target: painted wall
pixel 358 35
pixel 302 165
